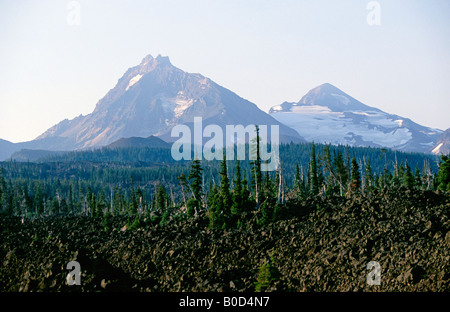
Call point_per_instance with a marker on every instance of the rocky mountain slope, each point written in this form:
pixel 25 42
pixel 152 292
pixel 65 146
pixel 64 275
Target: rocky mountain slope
pixel 443 144
pixel 151 141
pixel 150 99
pixel 328 115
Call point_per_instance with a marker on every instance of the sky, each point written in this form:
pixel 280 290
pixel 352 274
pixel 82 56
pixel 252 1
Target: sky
pixel 59 58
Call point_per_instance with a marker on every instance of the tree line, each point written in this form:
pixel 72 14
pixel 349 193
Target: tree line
pixel 224 193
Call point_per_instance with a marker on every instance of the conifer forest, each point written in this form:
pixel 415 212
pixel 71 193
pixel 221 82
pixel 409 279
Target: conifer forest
pixel 136 220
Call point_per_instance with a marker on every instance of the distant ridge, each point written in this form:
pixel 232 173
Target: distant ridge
pixel 151 141
pixel 149 100
pixel 31 155
pixel 326 114
pixel 443 144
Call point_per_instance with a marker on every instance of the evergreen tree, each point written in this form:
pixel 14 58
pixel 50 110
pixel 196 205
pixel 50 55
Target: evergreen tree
pixel 236 208
pixel 70 205
pixel 369 176
pixel 184 186
pixel 38 201
pixel 107 222
pixel 92 203
pixel 341 172
pixel 356 177
pixel 225 188
pixel 132 203
pixel 2 188
pixel 401 173
pixel 443 176
pixel 267 211
pixel 268 189
pixel 268 273
pixel 101 205
pixel 248 203
pixel 194 204
pixel 161 197
pixel 118 201
pixel 313 178
pixel 320 178
pixel 417 177
pixel 215 203
pixel 297 179
pixel 329 171
pixel 255 164
pixel 408 179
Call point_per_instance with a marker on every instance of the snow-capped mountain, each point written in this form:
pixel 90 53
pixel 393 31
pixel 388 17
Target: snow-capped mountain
pixel 328 115
pixel 150 99
pixel 443 144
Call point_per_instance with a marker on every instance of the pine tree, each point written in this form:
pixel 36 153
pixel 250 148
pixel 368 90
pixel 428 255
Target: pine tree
pixel 101 205
pixel 369 176
pixel 133 203
pixel 118 201
pixel 194 204
pixel 313 178
pixel 161 197
pixel 328 167
pixel 92 203
pixel 184 186
pixel 417 178
pixel 443 176
pixel 297 179
pixel 268 186
pixel 248 203
pixel 256 167
pixel 214 202
pixel 401 173
pixel 408 179
pixel 341 172
pixel 225 188
pixel 356 177
pixel 267 211
pixel 2 188
pixel 268 273
pixel 38 201
pixel 70 205
pixel 236 208
pixel 161 203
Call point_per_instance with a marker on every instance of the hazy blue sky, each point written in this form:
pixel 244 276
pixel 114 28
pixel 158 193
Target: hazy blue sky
pixel 265 51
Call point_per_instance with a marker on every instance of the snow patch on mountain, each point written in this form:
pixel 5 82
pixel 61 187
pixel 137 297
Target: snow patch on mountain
pixel 182 105
pixel 437 149
pixel 344 100
pixel 399 122
pixel 319 124
pixel 316 110
pixel 328 115
pixel 277 108
pixel 133 81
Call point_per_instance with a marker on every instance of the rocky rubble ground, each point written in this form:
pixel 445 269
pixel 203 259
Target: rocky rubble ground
pixel 326 248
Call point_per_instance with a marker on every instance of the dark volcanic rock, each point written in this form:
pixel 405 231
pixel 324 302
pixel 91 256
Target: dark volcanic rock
pixel 326 248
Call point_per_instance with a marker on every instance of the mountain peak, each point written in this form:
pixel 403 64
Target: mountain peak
pixel 150 99
pixel 149 63
pixel 328 115
pixel 333 98
pixel 327 88
pixel 162 59
pixel 147 59
pixel 323 90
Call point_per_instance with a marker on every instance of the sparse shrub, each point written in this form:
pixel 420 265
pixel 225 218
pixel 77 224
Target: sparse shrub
pixel 267 275
pixel 137 223
pixel 107 222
